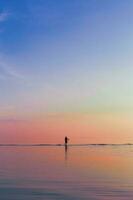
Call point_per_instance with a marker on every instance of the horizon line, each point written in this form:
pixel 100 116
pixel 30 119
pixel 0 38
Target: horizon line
pixel 62 144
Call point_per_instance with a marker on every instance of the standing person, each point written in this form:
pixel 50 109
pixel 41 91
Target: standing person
pixel 66 140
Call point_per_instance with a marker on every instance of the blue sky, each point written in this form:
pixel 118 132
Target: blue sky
pixel 73 55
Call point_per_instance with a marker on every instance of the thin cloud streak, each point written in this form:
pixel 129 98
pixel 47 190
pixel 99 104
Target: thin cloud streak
pixel 4 16
pixel 9 72
pixel 2 77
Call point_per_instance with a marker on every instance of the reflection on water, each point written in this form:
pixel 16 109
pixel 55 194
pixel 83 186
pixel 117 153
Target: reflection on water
pixel 66 152
pixel 66 173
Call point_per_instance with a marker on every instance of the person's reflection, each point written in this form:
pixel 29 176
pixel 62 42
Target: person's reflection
pixel 66 152
pixel 66 139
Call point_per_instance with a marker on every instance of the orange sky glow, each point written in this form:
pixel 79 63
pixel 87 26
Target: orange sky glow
pixel 80 128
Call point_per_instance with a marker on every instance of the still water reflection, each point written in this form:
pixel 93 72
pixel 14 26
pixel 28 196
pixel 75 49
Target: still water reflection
pixel 71 173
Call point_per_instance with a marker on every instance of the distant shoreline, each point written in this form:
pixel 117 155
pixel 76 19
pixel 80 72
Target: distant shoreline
pixel 53 145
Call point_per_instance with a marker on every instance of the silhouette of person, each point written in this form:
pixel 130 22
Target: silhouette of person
pixel 66 140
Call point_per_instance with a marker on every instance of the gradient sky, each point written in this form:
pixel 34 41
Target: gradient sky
pixel 66 67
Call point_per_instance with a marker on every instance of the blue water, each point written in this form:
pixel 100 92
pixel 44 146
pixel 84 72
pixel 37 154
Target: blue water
pixel 94 172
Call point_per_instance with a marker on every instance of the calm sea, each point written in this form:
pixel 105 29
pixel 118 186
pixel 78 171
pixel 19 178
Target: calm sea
pixel 75 173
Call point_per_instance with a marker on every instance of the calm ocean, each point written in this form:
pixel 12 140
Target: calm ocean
pixel 76 173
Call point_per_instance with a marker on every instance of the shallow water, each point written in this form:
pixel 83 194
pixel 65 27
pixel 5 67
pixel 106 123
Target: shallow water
pixel 75 173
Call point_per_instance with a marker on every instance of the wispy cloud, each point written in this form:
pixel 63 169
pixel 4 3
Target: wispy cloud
pixel 2 77
pixel 4 16
pixel 12 120
pixel 7 71
pixel 10 71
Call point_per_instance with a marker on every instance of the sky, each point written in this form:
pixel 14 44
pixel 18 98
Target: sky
pixel 66 69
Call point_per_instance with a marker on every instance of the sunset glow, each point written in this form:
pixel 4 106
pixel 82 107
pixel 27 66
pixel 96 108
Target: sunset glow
pixel 66 69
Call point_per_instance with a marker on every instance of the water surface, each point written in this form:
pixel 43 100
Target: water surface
pixel 78 172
